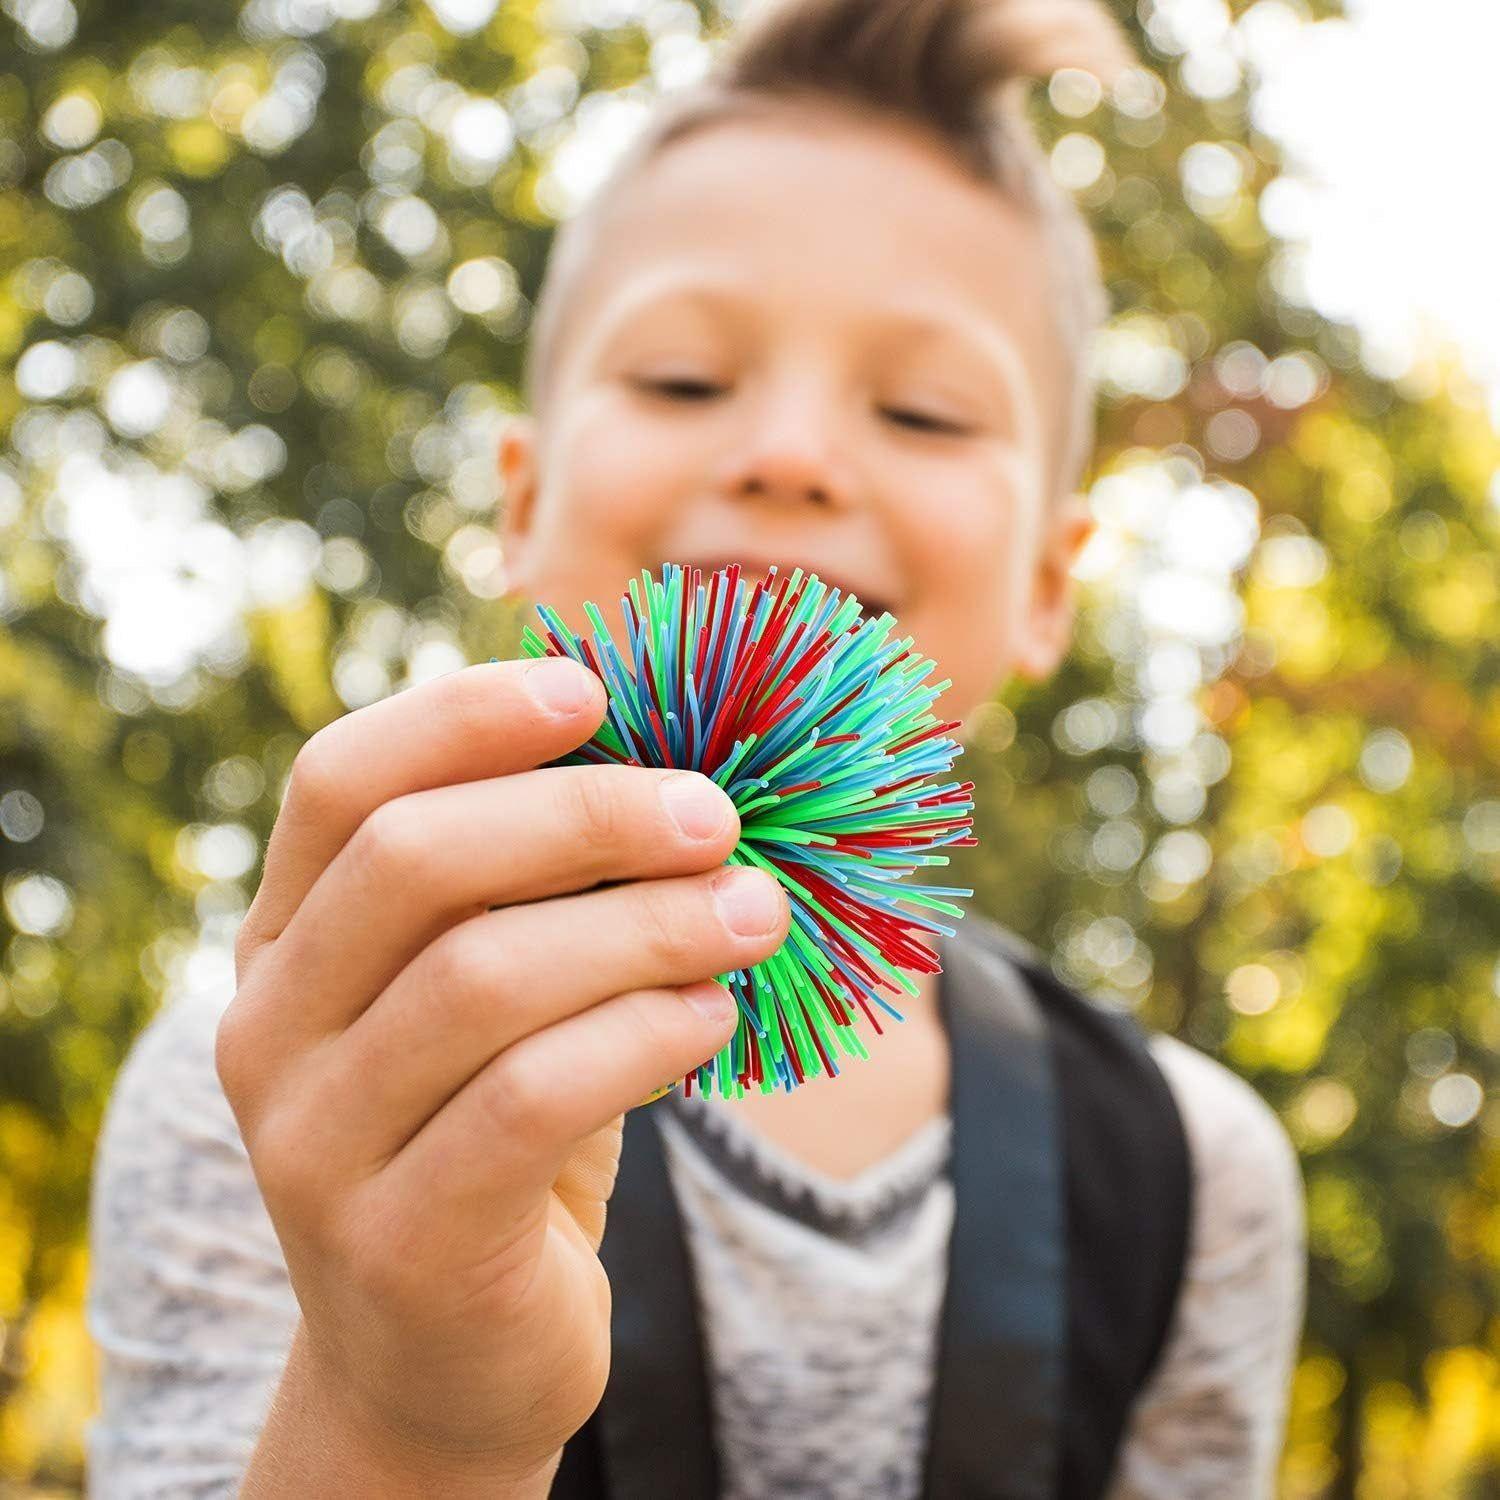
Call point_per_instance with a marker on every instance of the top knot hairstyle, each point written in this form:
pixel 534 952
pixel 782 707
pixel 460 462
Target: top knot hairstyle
pixel 958 69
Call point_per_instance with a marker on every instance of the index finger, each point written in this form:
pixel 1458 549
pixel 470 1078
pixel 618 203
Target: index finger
pixel 485 720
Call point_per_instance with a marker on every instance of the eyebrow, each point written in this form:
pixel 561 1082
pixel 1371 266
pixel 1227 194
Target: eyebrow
pixel 912 318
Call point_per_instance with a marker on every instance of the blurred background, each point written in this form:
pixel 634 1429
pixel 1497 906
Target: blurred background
pixel 265 276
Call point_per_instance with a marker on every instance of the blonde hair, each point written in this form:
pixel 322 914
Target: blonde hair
pixel 959 69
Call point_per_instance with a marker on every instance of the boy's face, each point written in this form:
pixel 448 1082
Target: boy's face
pixel 812 342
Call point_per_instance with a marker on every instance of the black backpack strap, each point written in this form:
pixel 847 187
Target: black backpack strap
pixel 1129 1209
pixel 998 1386
pixel 652 1433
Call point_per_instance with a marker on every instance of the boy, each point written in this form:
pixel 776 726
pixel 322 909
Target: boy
pixel 347 1235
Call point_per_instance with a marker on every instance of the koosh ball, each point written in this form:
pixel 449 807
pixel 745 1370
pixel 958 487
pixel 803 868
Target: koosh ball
pixel 820 727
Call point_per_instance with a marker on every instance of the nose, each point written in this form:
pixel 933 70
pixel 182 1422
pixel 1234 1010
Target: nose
pixel 789 448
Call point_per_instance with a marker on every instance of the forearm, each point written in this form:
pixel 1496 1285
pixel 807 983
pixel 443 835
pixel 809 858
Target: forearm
pixel 312 1445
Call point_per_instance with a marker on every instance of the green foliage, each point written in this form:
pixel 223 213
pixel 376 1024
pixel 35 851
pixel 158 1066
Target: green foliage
pixel 267 274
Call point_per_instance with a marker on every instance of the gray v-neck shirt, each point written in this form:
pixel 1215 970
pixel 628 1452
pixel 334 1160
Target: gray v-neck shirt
pixel 820 1298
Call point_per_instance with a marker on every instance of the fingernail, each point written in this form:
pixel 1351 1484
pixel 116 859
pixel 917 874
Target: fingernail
pixel 559 685
pixel 712 1001
pixel 748 901
pixel 695 804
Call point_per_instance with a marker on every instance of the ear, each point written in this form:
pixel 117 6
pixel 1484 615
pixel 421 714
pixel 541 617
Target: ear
pixel 517 464
pixel 1047 629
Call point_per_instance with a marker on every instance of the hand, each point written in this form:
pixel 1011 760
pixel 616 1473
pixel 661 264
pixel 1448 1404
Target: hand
pixel 441 1015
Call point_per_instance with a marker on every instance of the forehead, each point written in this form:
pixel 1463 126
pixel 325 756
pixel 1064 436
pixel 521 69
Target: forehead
pixel 848 220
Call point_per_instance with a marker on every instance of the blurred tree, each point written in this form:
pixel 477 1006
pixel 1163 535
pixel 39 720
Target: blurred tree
pixel 267 274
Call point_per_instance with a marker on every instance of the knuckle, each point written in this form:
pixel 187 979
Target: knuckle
pixel 647 1021
pixel 517 1099
pixel 251 941
pixel 390 846
pixel 463 960
pixel 285 1168
pixel 316 786
pixel 232 1052
pixel 467 702
pixel 596 805
pixel 665 922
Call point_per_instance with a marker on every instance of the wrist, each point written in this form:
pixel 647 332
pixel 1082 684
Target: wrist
pixel 317 1444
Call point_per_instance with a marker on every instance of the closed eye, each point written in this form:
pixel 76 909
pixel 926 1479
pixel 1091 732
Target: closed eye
pixel 921 422
pixel 682 390
pixel 703 390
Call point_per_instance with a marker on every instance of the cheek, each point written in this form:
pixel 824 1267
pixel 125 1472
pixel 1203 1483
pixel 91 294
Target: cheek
pixel 960 541
pixel 963 565
pixel 616 479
